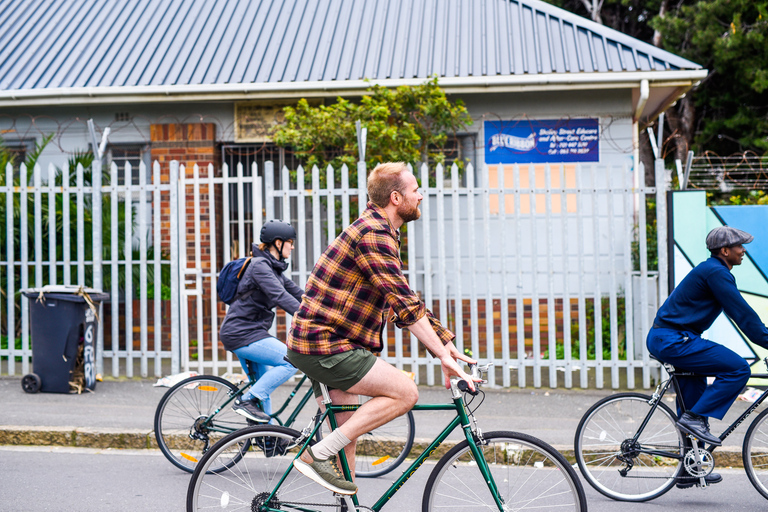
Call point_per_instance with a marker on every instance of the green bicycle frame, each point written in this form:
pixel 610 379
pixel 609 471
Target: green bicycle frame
pixel 239 391
pixel 292 418
pixel 462 418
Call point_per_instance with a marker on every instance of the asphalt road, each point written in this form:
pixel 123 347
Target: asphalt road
pixel 90 480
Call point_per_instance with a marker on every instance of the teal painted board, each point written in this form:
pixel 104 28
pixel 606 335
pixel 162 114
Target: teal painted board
pixel 690 231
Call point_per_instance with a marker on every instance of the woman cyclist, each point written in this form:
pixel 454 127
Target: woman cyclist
pixel 245 328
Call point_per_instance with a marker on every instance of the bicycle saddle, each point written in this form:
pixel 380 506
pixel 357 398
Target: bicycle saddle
pixel 667 366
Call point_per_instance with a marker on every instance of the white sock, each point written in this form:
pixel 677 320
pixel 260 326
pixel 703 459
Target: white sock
pixel 331 445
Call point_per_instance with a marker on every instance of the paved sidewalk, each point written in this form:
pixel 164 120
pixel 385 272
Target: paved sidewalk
pixel 120 414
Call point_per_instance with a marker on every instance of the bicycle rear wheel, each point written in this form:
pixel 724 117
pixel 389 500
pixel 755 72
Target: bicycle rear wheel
pixel 383 449
pixel 619 468
pixel 186 421
pixel 247 484
pixel 755 453
pixel 528 473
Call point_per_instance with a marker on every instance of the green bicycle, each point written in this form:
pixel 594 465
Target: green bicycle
pixel 501 470
pixel 197 412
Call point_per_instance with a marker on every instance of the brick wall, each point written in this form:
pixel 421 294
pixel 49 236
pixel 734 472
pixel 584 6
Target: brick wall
pixel 189 144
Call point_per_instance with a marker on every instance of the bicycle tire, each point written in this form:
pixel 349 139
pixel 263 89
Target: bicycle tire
pixel 755 453
pixel 254 477
pixel 383 449
pixel 600 441
pixel 179 432
pixel 527 472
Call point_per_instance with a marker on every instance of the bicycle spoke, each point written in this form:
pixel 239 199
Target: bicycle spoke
pixel 527 476
pixel 615 465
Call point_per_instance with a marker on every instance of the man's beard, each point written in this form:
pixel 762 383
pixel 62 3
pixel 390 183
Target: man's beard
pixel 409 214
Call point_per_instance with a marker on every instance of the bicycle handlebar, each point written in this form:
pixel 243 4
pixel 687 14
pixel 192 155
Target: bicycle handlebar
pixel 476 372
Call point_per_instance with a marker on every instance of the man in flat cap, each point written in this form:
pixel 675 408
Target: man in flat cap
pixel 675 338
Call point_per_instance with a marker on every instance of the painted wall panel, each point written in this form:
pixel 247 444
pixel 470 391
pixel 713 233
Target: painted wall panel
pixel 692 221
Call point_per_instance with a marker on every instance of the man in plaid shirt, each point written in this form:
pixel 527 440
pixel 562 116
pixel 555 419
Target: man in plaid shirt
pixel 338 326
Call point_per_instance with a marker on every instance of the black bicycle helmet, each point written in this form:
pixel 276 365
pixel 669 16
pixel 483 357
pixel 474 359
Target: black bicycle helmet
pixel 277 230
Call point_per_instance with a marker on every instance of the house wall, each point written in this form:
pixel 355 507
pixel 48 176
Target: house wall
pixel 613 108
pixel 193 132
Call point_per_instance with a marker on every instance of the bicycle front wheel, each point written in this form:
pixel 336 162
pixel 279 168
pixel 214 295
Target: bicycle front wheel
pixel 248 484
pixel 528 473
pixel 188 420
pixel 755 453
pixel 623 469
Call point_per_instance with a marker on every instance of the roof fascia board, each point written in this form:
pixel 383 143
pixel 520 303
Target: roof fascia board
pixel 668 102
pixel 212 92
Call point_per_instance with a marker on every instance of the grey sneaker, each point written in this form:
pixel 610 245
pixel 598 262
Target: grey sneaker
pixel 326 473
pixel 251 409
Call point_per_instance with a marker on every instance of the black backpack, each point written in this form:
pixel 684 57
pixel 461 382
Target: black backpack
pixel 229 278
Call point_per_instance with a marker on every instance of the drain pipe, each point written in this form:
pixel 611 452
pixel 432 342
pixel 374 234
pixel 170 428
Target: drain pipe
pixel 645 92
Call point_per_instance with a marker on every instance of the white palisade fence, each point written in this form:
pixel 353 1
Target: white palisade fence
pixel 537 268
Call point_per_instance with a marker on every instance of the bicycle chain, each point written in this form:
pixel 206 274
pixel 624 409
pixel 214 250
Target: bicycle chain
pixel 654 477
pixel 650 477
pixel 359 507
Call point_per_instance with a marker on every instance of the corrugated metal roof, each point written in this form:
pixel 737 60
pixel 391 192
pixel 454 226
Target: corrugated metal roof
pixel 113 43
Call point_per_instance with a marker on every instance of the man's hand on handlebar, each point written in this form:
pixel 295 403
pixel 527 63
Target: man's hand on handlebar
pixel 452 369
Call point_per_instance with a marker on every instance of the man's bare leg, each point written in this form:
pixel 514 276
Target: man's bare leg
pixel 340 397
pixel 393 394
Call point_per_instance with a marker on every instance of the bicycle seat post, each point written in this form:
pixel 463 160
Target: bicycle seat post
pixel 326 395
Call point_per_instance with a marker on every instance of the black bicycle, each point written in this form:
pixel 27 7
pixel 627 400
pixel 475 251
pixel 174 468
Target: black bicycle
pixel 629 447
pixel 197 412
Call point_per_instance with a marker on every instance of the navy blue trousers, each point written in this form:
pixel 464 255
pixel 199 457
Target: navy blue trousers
pixel 690 352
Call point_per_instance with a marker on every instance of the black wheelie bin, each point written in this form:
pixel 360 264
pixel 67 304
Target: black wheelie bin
pixel 62 320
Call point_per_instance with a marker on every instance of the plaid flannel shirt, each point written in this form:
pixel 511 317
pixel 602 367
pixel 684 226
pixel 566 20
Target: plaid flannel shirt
pixel 354 283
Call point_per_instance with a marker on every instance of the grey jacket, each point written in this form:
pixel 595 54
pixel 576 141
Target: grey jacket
pixel 250 317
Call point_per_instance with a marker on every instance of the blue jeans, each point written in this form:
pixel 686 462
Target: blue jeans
pixel 265 359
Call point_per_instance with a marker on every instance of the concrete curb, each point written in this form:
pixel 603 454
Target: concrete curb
pixel 82 437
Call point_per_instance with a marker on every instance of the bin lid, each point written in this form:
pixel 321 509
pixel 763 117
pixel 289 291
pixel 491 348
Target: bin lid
pixel 66 292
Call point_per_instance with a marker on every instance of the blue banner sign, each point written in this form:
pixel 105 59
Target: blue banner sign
pixel 530 141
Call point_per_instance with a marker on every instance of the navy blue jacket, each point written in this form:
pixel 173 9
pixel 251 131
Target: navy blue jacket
pixel 703 294
pixel 249 318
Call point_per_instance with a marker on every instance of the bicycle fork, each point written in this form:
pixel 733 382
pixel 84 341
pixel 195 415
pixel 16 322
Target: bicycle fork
pixel 475 439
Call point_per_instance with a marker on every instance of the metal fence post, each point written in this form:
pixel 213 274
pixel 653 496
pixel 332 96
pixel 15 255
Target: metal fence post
pixel 175 285
pixel 98 279
pixel 661 228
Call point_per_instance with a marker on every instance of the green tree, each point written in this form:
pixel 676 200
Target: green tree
pixel 409 124
pixel 730 38
pixel 630 17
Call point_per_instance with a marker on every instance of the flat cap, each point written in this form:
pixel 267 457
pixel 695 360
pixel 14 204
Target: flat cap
pixel 726 236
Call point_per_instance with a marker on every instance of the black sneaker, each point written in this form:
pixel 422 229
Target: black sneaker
pixel 251 410
pixel 698 427
pixel 685 482
pixel 272 446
